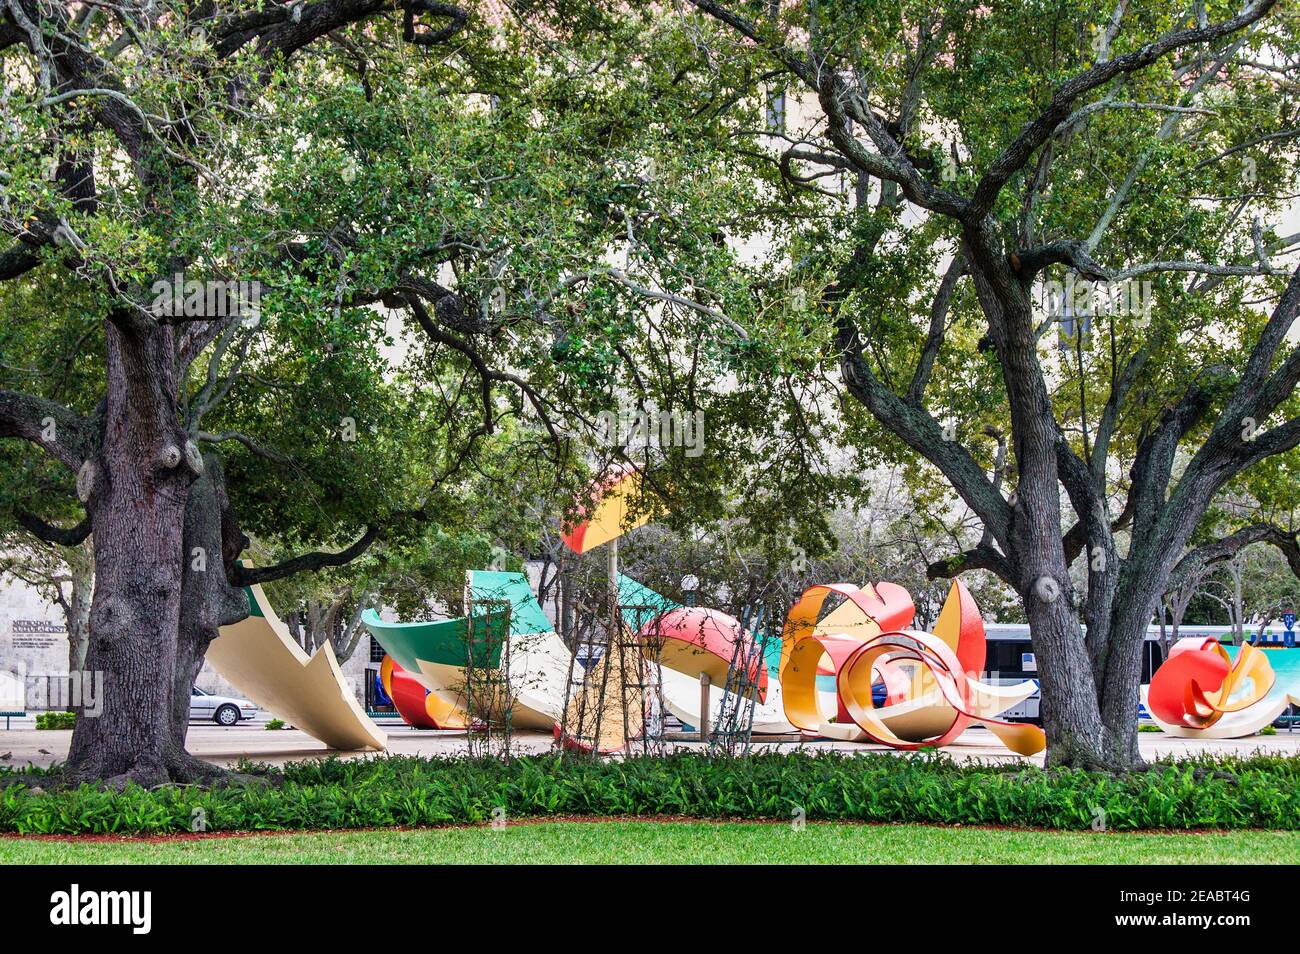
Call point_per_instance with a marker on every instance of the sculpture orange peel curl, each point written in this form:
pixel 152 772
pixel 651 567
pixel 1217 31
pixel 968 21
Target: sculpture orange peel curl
pixel 933 692
pixel 1200 683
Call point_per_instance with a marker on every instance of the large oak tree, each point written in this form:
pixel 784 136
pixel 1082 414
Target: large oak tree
pixel 992 149
pixel 468 237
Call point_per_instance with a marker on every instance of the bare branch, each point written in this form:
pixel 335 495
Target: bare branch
pixel 939 309
pixel 1070 252
pixel 50 533
pixel 920 431
pixel 982 557
pixel 1224 548
pixel 59 431
pixel 252 445
pixel 1199 268
pixel 242 575
pixel 17 260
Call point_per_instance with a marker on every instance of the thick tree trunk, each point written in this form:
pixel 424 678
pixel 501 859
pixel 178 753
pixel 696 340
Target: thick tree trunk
pixel 1143 580
pixel 208 602
pixel 81 589
pixel 1070 706
pixel 1068 701
pixel 1120 698
pixel 137 488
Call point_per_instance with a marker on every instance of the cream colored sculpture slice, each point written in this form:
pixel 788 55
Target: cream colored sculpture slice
pixel 989 701
pixel 538 664
pixel 930 714
pixel 925 716
pixel 538 668
pixel 681 695
pixel 263 662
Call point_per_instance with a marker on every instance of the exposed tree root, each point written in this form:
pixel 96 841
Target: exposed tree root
pixel 186 769
pixel 177 768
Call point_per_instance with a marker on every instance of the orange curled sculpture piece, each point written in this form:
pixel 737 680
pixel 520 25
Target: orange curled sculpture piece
pixel 803 704
pixel 814 644
pixel 937 722
pixel 1200 683
pixel 864 613
pixel 933 692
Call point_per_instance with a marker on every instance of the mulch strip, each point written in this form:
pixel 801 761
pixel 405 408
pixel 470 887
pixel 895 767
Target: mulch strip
pixel 576 820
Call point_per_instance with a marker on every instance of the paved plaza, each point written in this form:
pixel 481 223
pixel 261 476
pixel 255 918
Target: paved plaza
pixel 23 744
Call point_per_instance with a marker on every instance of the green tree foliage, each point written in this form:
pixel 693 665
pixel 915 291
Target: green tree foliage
pixel 323 274
pixel 973 171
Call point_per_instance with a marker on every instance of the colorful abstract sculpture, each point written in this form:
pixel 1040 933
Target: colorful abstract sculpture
pixel 260 658
pixel 414 702
pixel 932 689
pixel 537 663
pixel 929 681
pixel 698 641
pixel 688 642
pixel 526 657
pixel 609 513
pixel 436 653
pixel 1210 691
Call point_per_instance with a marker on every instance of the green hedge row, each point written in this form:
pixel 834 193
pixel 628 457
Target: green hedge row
pixel 56 720
pixel 1260 792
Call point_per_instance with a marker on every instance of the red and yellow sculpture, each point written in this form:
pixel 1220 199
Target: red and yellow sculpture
pixel 417 706
pixel 697 641
pixel 610 512
pixel 931 680
pixel 1200 683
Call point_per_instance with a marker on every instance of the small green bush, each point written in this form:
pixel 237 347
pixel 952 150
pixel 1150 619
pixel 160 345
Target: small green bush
pixel 1267 730
pixel 1199 793
pixel 56 720
pixel 274 725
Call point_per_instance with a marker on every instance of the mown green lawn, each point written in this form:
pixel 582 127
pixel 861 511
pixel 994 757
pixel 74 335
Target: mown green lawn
pixel 675 842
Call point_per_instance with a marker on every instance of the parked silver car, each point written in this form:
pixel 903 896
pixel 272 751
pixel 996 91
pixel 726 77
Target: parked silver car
pixel 222 710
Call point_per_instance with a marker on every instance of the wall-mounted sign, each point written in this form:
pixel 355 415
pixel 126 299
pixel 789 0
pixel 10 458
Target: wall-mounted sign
pixel 37 633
